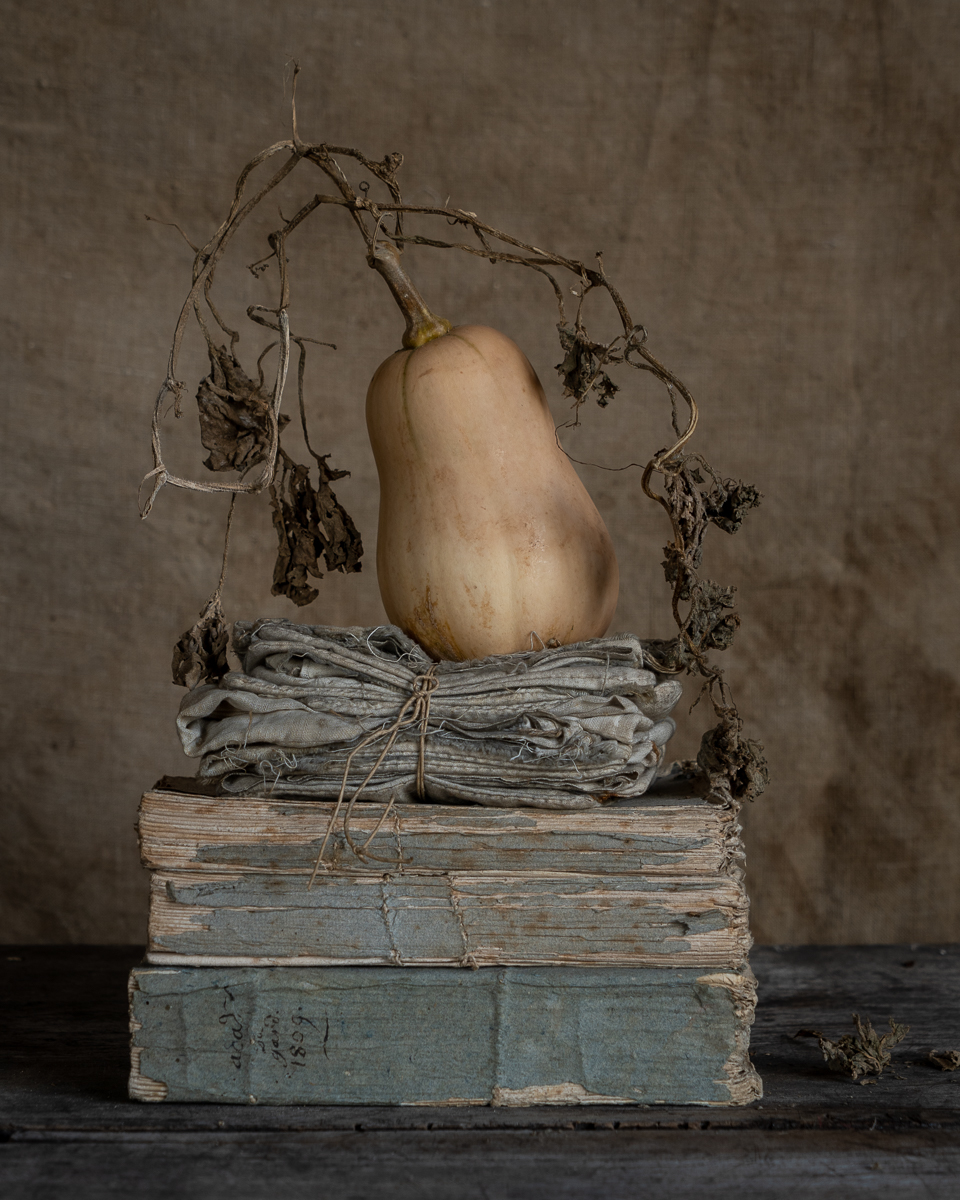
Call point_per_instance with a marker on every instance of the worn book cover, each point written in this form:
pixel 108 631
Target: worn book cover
pixel 402 1035
pixel 653 881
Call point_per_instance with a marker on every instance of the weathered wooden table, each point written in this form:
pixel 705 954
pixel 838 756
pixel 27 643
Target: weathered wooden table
pixel 68 1130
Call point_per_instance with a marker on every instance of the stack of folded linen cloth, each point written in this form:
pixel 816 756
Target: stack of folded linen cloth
pixel 568 727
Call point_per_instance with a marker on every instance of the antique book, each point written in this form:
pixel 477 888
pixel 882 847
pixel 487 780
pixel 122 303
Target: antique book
pixel 653 881
pixel 426 1035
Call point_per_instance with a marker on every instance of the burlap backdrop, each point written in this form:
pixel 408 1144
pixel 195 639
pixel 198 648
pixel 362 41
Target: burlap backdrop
pixel 775 189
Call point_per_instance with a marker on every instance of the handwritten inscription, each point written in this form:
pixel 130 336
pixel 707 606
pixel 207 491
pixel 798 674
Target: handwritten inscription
pixel 281 1036
pixel 232 1024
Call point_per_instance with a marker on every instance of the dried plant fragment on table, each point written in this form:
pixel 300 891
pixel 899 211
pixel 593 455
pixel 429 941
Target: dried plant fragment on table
pixel 865 1052
pixel 946 1060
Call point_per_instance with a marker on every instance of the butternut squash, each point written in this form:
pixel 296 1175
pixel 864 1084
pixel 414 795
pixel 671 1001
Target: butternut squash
pixel 486 534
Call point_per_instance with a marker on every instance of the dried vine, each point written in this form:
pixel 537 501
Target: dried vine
pixel 241 424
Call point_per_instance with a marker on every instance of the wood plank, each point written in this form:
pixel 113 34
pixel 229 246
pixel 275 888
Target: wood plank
pixel 562 1164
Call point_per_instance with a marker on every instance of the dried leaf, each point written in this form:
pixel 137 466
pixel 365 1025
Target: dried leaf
pixel 235 415
pixel 669 655
pixel 677 570
pixel 729 502
pixel 946 1060
pixel 688 511
pixel 711 622
pixel 579 369
pixel 310 522
pixel 605 389
pixel 734 765
pixel 200 656
pixel 864 1053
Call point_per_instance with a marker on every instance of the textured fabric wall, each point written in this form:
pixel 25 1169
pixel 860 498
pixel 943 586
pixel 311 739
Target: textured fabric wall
pixel 775 188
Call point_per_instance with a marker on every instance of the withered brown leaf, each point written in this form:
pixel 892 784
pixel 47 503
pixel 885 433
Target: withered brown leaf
pixel 729 502
pixel 865 1052
pixel 579 369
pixel 734 765
pixel 200 656
pixel 235 415
pixel 946 1060
pixel 310 522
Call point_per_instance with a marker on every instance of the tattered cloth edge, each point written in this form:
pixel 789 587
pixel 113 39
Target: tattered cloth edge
pixel 323 712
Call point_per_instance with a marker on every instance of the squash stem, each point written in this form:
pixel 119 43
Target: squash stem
pixel 422 325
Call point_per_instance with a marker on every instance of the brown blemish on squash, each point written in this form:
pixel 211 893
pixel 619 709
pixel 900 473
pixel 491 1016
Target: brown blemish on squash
pixel 432 631
pixel 480 603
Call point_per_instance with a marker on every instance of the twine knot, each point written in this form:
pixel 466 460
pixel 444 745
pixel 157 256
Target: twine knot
pixel 423 685
pixel 416 708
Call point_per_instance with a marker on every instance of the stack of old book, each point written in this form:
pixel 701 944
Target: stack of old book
pixel 443 953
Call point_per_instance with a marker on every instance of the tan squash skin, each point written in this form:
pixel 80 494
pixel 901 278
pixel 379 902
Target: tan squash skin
pixel 486 535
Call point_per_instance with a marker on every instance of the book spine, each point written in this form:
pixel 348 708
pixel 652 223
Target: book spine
pixel 198 833
pixel 508 1036
pixel 457 919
